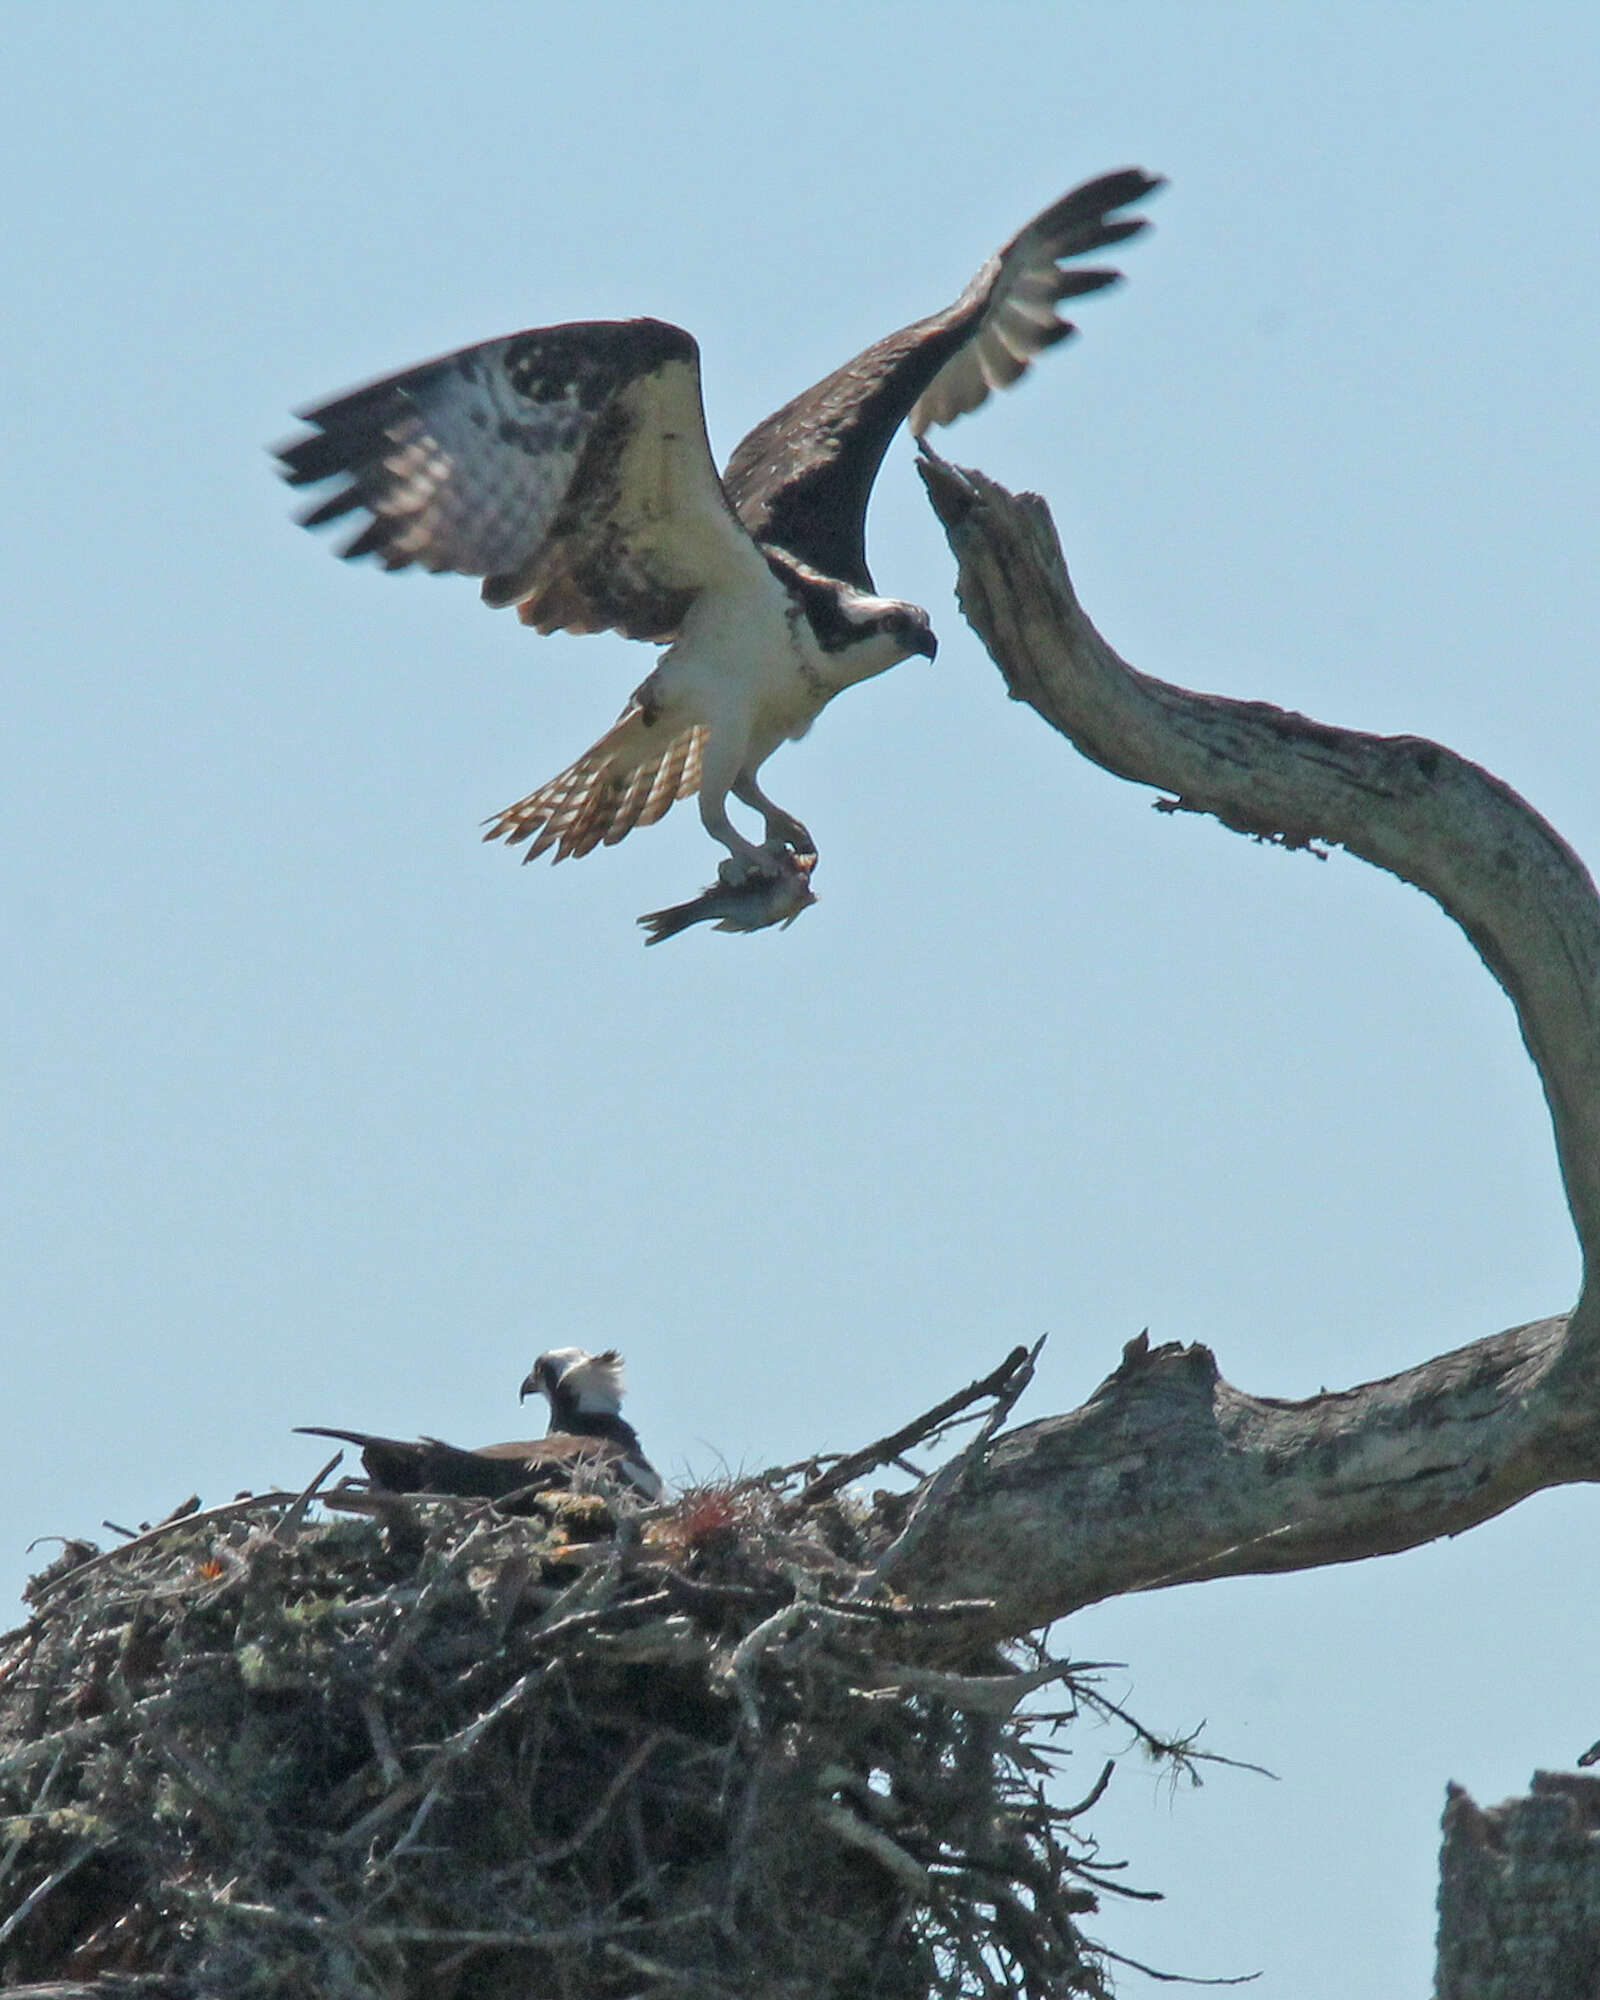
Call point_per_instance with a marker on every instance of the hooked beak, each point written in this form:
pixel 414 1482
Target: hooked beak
pixel 928 647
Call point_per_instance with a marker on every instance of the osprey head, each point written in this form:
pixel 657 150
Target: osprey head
pixel 574 1382
pixel 859 635
pixel 886 628
pixel 908 626
pixel 863 637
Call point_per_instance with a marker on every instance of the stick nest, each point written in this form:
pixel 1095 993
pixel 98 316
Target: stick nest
pixel 435 1748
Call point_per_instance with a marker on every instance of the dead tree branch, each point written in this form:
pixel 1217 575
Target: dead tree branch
pixel 1169 1474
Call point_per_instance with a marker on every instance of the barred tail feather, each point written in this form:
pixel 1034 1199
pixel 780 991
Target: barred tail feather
pixel 628 779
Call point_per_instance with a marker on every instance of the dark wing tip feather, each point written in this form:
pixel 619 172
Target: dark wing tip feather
pixel 1118 232
pixel 1115 189
pixel 343 502
pixel 1076 284
pixel 373 539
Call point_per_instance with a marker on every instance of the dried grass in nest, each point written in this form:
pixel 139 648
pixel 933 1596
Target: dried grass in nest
pixel 433 1748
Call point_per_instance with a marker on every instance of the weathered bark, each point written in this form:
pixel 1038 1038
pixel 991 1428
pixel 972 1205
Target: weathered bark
pixel 1519 1894
pixel 1168 1474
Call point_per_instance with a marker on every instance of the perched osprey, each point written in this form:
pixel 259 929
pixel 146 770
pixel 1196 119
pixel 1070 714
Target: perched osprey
pixel 587 1433
pixel 569 468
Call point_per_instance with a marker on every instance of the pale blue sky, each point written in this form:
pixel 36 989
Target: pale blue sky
pixel 319 1111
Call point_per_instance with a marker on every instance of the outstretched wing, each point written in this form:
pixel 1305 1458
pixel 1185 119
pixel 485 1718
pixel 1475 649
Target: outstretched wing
pixel 567 466
pixel 802 478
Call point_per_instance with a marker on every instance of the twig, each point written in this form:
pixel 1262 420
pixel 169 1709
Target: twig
pixel 575 1621
pixel 971 1694
pixel 742 1847
pixel 942 1489
pixel 714 1597
pixel 1171 1978
pixel 608 1798
pixel 910 1614
pixel 40 1890
pixel 426 1784
pixel 1180 1749
pixel 675 1641
pixel 421 1606
pixel 382 1742
pixel 855 1463
pixel 843 1824
pixel 451 1751
pixel 286 1528
pixel 669 1975
pixel 75 1736
pixel 1092 1797
pixel 742 1661
pixel 532 1939
pixel 211 1516
pixel 112 1986
pixel 34 1812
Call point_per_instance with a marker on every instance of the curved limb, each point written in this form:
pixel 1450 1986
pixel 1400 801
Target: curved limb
pixel 1169 1474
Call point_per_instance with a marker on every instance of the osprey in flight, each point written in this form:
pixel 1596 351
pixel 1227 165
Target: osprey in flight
pixel 587 1433
pixel 569 468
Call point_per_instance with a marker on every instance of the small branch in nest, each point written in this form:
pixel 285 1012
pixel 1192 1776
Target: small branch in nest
pixel 742 1662
pixel 422 1605
pixel 631 1768
pixel 382 1742
pixel 214 1802
pixel 426 1786
pixel 40 1890
pixel 843 1824
pixel 971 1694
pixel 1172 1978
pixel 667 1975
pixel 886 1449
pixel 675 1641
pixel 117 1986
pixel 451 1751
pixel 35 1811
pixel 289 1526
pixel 231 1510
pixel 76 1736
pixel 710 1598
pixel 1094 1794
pixel 1178 1750
pixel 940 1492
pixel 910 1614
pixel 575 1621
pixel 545 1938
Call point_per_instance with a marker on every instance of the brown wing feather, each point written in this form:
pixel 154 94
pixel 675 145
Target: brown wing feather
pixel 802 478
